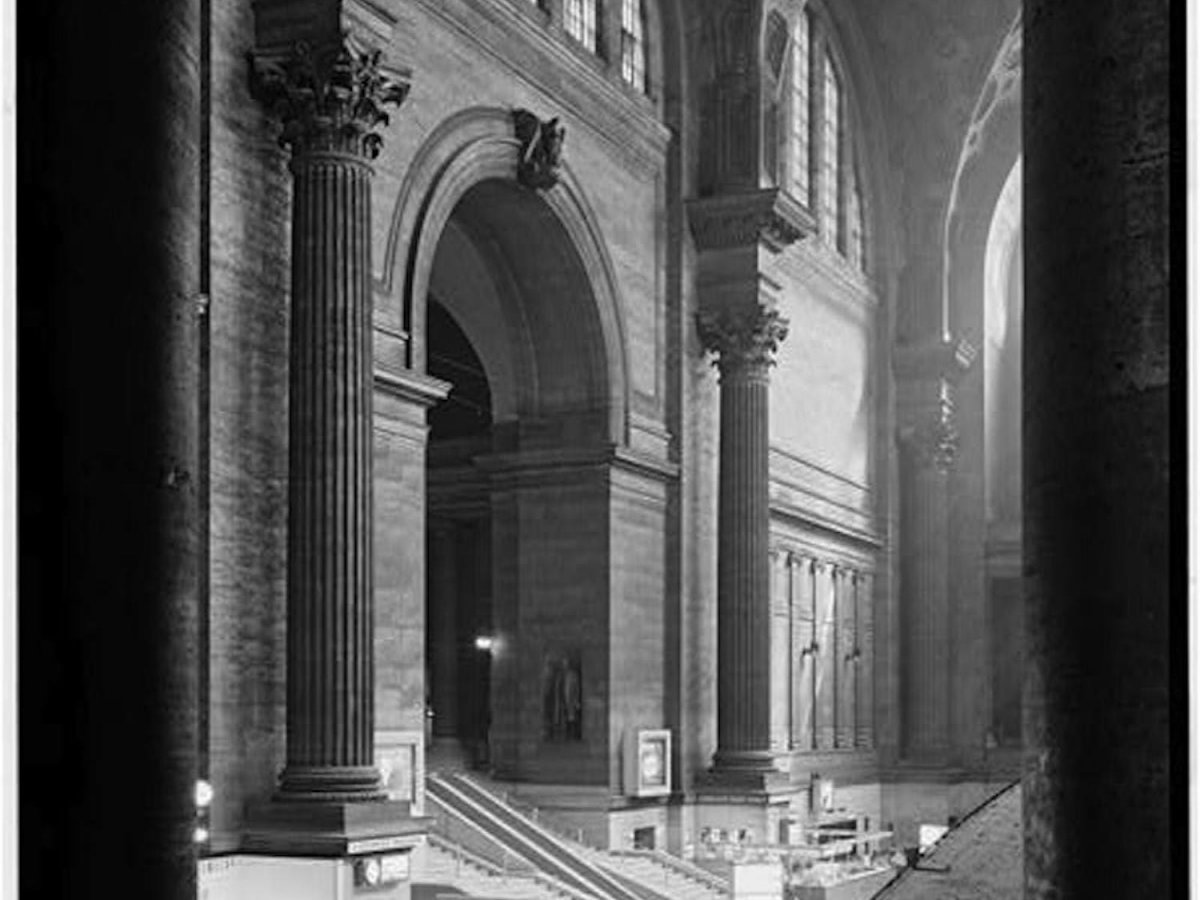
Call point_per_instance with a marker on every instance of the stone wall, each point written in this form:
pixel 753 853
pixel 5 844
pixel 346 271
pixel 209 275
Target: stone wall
pixel 249 198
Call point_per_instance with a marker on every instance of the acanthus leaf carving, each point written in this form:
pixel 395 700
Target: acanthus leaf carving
pixel 933 439
pixel 329 97
pixel 742 337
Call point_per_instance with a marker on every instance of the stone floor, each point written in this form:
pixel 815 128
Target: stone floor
pixel 982 857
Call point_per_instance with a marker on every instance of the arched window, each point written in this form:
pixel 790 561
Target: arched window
pixel 579 19
pixel 621 36
pixel 820 163
pixel 633 45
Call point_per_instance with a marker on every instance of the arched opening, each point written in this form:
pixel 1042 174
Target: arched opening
pixel 458 601
pixel 517 561
pixel 981 304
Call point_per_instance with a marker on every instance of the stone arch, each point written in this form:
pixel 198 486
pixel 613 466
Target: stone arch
pixel 477 146
pixel 990 150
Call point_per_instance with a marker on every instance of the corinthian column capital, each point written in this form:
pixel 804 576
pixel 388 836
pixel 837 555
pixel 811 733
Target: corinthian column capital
pixel 742 338
pixel 328 97
pixel 933 437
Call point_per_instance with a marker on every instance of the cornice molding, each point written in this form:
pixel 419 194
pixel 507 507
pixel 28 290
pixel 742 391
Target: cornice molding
pixel 576 459
pixel 423 390
pixel 768 216
pixel 792 512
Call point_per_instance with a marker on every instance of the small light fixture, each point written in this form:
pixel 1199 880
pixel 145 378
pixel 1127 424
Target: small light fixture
pixel 485 643
pixel 204 794
pixel 200 835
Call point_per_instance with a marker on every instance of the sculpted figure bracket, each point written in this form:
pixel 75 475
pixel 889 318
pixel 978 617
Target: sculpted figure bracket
pixel 540 154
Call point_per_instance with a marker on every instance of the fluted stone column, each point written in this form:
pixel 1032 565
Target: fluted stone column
pixel 329 100
pixel 744 341
pixel 1105 787
pixel 928 445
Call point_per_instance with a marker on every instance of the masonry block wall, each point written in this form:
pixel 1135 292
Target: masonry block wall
pixel 826 512
pixel 249 196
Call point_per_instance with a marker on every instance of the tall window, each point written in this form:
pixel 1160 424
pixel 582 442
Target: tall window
pixel 820 163
pixel 633 44
pixel 579 18
pixel 831 171
pixel 856 239
pixel 798 156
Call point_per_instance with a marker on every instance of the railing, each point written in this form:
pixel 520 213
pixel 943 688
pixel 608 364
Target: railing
pixel 575 836
pixel 680 866
pixel 461 854
pixel 493 858
pixel 449 827
pixel 539 817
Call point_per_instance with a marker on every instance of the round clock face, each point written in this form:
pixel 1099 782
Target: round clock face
pixel 371 871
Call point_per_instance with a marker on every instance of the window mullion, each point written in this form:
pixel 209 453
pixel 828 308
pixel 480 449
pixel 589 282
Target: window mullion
pixel 816 119
pixel 844 164
pixel 797 141
pixel 608 32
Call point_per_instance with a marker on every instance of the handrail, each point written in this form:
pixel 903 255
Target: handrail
pixel 462 853
pixel 538 817
pixel 680 866
pixel 486 848
pixel 481 862
pixel 446 785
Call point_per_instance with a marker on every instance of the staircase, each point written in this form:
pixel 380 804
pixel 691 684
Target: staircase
pixel 451 869
pixel 493 835
pixel 670 876
pixel 457 798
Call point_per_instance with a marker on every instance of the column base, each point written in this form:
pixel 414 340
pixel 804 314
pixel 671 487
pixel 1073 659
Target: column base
pixel 324 784
pixel 332 828
pixel 928 756
pixel 744 809
pixel 755 771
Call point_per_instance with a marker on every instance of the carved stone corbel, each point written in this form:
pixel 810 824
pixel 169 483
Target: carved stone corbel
pixel 539 156
pixel 769 216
